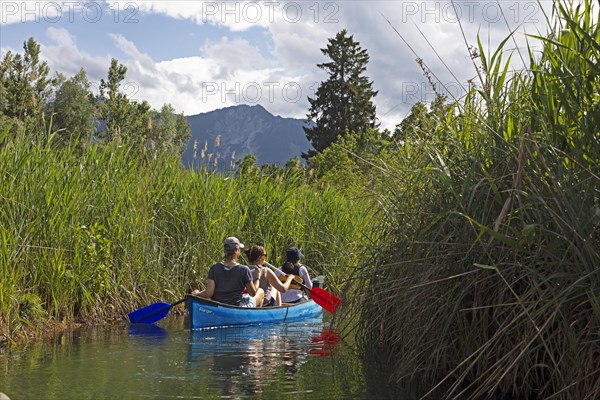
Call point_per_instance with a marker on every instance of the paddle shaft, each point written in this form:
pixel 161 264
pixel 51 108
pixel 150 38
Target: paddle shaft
pixel 178 302
pixel 284 274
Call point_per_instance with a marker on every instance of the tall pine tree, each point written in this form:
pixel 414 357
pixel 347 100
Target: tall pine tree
pixel 343 103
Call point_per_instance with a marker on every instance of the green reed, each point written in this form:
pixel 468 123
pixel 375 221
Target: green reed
pixel 489 283
pixel 92 234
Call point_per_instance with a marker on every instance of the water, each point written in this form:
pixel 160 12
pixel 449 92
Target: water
pixel 168 361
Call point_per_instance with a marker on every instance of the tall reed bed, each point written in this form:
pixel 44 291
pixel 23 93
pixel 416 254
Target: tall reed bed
pixel 93 234
pixel 489 284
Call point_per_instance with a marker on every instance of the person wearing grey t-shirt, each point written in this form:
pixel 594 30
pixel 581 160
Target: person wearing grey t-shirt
pixel 228 279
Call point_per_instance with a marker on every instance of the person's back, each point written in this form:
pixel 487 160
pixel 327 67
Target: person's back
pixel 229 282
pixel 293 267
pixel 227 279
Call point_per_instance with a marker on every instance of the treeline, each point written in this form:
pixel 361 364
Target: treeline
pixel 41 106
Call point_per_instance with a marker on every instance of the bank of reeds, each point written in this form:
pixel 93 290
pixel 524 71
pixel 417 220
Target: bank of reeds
pixel 489 286
pixel 92 235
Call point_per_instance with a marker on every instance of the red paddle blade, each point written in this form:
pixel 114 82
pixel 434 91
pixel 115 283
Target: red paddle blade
pixel 325 299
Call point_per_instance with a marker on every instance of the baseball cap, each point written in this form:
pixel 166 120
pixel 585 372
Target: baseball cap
pixel 233 243
pixel 293 254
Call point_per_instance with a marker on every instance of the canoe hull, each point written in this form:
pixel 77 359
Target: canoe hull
pixel 205 313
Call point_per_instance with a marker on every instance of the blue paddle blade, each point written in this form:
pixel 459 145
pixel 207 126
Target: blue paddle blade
pixel 149 314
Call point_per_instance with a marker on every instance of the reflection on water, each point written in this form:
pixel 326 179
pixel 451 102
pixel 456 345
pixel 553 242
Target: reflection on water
pixel 250 360
pixel 169 361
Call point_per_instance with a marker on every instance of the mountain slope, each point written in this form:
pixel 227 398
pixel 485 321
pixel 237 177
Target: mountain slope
pixel 221 137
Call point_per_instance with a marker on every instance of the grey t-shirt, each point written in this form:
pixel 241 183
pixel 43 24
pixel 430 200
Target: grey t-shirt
pixel 229 282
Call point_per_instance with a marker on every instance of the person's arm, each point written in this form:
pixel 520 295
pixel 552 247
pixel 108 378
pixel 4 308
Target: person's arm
pixel 209 291
pixel 251 288
pixel 304 275
pixel 252 285
pixel 276 283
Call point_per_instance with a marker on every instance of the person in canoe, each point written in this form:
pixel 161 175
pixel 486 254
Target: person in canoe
pixel 292 266
pixel 227 279
pixel 268 281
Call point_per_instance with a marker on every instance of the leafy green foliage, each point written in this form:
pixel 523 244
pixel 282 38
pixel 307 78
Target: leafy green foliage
pixel 169 132
pixel 126 121
pixel 24 85
pixel 423 123
pixel 247 168
pixel 353 163
pixel 64 110
pixel 156 227
pixel 74 108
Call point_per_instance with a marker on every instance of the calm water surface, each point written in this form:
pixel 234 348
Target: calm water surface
pixel 168 361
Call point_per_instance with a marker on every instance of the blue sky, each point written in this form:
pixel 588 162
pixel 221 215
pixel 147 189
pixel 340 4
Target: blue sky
pixel 203 55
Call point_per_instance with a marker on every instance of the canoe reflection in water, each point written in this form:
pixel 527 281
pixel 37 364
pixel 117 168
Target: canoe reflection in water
pixel 248 360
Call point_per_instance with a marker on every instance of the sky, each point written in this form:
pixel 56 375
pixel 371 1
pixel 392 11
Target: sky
pixel 200 56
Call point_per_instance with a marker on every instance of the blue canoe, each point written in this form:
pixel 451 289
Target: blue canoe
pixel 205 313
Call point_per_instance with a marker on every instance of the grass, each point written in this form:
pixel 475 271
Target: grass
pixel 93 235
pixel 488 285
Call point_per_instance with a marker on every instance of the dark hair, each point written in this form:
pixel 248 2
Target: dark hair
pixel 288 266
pixel 229 253
pixel 254 252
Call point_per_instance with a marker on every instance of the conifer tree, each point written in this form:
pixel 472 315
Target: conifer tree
pixel 343 103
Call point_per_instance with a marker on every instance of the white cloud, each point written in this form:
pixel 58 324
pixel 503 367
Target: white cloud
pixel 236 15
pixel 64 56
pixel 232 68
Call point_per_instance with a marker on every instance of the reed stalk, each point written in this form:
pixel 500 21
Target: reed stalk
pixel 488 285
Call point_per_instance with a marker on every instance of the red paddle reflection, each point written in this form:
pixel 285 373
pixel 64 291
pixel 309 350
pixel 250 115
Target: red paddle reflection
pixel 325 343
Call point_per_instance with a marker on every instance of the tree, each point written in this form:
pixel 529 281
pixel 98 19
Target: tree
pixel 343 103
pixel 170 132
pixel 24 84
pixel 246 167
pixel 115 105
pixel 73 109
pixel 126 121
pixel 423 123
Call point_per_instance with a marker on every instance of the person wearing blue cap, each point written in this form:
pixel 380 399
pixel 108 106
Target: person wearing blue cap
pixel 292 266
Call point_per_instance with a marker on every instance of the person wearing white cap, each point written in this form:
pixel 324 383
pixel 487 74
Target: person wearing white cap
pixel 228 279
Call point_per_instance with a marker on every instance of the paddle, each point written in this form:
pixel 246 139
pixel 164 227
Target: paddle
pixel 320 296
pixel 152 313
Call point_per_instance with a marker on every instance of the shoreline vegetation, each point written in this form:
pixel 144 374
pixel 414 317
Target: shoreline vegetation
pixel 489 284
pixel 464 244
pixel 93 236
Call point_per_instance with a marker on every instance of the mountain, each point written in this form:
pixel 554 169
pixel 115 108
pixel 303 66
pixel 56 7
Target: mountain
pixel 221 137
